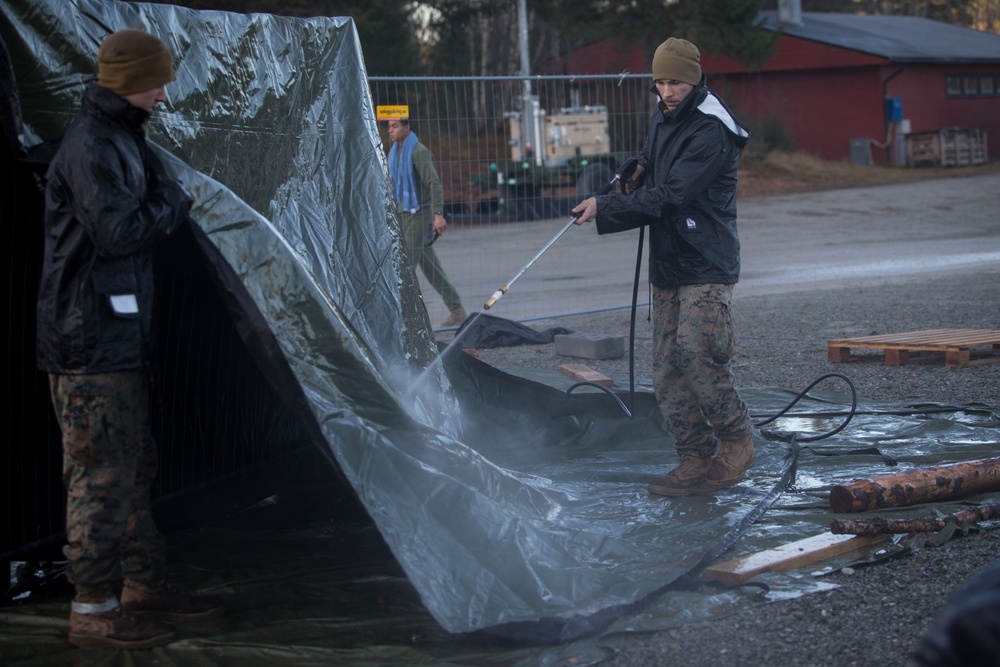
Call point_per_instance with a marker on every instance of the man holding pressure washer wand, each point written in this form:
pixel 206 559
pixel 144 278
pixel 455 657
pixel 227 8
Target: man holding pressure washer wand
pixel 684 189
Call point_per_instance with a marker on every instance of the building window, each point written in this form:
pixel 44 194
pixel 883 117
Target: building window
pixel 972 85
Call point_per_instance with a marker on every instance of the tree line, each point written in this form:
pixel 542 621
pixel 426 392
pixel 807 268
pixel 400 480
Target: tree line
pixel 481 37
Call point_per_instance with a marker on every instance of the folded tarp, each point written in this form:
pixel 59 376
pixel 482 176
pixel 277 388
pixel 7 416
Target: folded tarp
pixel 482 331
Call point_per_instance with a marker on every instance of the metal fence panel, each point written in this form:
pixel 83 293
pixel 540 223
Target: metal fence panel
pixel 514 151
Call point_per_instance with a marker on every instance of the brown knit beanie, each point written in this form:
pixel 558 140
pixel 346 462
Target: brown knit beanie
pixel 677 60
pixel 132 61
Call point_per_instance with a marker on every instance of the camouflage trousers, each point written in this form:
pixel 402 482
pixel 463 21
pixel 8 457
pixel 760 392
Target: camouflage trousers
pixel 693 344
pixel 414 225
pixel 109 464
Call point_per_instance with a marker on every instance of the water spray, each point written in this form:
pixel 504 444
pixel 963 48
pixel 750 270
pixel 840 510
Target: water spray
pixel 623 172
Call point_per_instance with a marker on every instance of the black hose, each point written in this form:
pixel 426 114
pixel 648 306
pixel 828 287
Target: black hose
pixel 631 330
pixel 850 414
pixel 628 413
pixel 623 173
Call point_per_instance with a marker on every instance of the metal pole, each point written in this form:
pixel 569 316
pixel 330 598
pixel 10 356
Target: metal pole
pixel 522 24
pixel 528 112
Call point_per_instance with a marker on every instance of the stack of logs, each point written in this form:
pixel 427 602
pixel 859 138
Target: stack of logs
pixel 856 537
pixel 914 487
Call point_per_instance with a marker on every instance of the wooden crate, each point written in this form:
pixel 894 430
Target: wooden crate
pixel 923 150
pixel 948 147
pixel 960 347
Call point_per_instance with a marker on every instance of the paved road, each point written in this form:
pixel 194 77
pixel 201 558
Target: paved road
pixel 860 236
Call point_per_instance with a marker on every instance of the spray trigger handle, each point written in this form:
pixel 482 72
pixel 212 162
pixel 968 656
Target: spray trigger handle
pixel 627 168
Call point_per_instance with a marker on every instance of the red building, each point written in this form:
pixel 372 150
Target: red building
pixel 837 81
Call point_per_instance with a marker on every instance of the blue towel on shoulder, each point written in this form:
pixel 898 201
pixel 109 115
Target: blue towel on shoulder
pixel 401 172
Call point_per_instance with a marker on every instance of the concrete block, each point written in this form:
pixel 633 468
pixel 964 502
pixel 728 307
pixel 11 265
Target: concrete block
pixel 590 346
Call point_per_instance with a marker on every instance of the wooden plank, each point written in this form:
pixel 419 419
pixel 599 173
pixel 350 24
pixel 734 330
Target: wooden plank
pixel 584 373
pixel 790 556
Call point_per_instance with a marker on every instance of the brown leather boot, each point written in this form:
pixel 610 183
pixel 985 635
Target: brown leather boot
pixel 117 629
pixel 732 459
pixel 686 478
pixel 455 318
pixel 166 602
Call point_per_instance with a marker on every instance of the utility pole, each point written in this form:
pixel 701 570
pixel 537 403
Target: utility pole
pixel 530 112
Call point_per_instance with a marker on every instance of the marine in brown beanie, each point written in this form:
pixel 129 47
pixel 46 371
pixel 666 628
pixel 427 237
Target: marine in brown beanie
pixel 684 190
pixel 108 202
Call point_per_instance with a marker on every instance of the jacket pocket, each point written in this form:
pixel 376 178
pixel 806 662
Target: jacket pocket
pixel 691 236
pixel 118 327
pixel 116 285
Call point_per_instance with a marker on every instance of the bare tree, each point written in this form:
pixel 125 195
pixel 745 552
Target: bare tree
pixel 958 12
pixel 985 15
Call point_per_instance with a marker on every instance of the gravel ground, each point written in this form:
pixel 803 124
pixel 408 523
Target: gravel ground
pixel 878 614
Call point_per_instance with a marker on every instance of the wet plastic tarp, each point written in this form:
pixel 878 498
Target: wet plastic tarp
pixel 510 505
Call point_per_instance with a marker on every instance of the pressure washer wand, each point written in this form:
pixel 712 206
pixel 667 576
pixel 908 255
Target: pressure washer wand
pixel 623 171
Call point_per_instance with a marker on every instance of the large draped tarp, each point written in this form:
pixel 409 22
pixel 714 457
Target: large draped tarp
pixel 270 125
pixel 510 504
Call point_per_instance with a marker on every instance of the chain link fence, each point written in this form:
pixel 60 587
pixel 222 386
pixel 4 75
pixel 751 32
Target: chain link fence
pixel 518 151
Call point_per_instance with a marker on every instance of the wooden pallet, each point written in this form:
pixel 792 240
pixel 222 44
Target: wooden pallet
pixel 960 347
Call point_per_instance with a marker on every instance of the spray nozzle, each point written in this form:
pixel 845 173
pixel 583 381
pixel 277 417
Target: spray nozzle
pixel 495 297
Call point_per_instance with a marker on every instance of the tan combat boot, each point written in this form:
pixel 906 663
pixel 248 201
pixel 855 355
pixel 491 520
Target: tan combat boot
pixel 166 602
pixel 688 477
pixel 732 459
pixel 455 318
pixel 117 629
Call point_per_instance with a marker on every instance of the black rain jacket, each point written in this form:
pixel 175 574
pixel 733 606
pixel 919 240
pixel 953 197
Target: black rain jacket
pixel 689 196
pixel 107 202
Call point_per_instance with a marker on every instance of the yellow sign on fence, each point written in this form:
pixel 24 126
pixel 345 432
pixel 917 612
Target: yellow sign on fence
pixel 392 112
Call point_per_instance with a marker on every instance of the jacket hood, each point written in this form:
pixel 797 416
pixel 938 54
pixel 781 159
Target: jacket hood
pixel 705 101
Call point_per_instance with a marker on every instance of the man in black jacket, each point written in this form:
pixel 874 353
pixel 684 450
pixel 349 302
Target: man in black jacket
pixel 108 201
pixel 688 169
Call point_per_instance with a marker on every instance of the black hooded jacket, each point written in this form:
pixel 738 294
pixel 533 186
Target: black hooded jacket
pixel 107 202
pixel 689 195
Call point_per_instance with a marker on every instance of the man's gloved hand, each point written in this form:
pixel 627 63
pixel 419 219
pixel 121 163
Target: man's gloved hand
pixel 634 181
